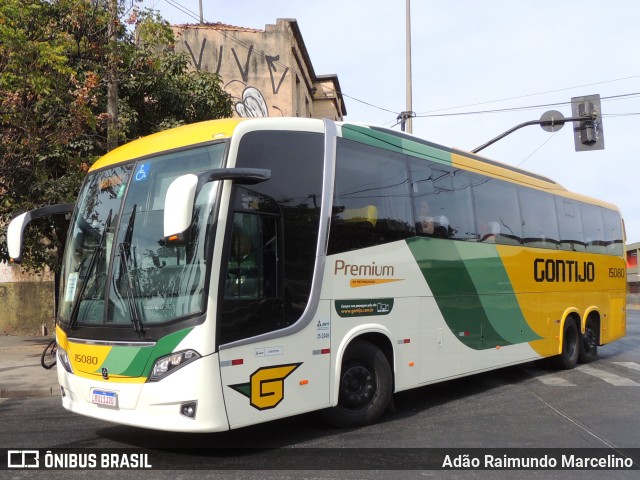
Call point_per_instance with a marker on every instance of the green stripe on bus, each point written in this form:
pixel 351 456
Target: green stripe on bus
pixel 120 360
pixel 473 291
pixel 395 143
pixel 455 292
pixel 495 291
pixel 137 361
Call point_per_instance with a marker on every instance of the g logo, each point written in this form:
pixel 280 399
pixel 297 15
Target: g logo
pixel 266 387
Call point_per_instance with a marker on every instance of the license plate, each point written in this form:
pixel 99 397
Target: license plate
pixel 104 398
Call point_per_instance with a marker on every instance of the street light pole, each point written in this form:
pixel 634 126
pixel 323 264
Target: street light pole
pixel 409 124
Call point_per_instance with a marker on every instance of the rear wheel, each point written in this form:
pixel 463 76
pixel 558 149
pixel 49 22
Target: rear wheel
pixel 589 342
pixel 365 387
pixel 570 346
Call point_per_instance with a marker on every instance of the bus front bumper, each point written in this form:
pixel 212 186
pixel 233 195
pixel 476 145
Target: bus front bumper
pixel 157 405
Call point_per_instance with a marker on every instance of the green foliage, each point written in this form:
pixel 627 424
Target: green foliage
pixel 53 82
pixel 161 92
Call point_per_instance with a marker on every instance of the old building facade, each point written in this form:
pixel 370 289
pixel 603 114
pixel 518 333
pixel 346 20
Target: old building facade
pixel 267 72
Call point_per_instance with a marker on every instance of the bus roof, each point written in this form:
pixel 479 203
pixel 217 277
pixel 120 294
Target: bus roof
pixel 168 140
pixel 411 145
pixel 203 132
pixel 423 148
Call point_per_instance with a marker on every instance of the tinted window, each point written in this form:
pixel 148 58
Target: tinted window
pixel 497 211
pixel 289 202
pixel 570 223
pixel 252 295
pixel 251 267
pixel 593 228
pixel 539 220
pixel 613 231
pixel 372 201
pixel 442 200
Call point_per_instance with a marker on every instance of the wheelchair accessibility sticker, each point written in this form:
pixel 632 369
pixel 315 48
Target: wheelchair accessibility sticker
pixel 266 386
pixel 142 172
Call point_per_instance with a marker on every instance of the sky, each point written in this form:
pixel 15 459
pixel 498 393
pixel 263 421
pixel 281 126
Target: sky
pixel 478 56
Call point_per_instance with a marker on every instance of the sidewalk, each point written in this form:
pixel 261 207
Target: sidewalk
pixel 21 374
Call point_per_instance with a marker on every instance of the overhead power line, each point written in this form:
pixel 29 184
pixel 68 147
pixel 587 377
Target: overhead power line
pixel 524 107
pixel 529 95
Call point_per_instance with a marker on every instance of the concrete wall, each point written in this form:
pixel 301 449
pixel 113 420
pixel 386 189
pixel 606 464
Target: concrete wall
pixel 26 301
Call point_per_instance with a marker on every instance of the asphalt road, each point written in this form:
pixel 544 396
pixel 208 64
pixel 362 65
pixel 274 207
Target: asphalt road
pixel 593 406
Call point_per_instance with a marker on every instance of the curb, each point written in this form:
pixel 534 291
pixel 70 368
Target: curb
pixel 39 392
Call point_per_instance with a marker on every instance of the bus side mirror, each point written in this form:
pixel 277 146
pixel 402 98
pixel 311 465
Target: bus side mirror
pixel 14 237
pixel 181 194
pixel 178 206
pixel 15 231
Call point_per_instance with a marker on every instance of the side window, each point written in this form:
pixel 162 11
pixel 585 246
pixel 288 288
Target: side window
pixel 251 265
pixel 442 200
pixel 497 211
pixel 287 206
pixel 613 231
pixel 570 223
pixel 372 202
pixel 593 228
pixel 539 219
pixel 252 297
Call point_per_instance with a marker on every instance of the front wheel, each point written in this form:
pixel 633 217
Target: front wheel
pixel 570 347
pixel 365 387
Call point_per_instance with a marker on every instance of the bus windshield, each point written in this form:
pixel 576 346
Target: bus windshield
pixel 117 271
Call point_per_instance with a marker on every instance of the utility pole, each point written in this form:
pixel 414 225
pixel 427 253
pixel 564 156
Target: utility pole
pixel 201 15
pixel 112 78
pixel 409 111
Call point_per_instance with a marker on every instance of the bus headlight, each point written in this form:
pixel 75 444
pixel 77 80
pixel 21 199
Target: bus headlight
pixel 170 363
pixel 64 359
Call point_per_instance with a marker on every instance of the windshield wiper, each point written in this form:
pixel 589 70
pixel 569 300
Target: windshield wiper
pixel 125 261
pixel 93 260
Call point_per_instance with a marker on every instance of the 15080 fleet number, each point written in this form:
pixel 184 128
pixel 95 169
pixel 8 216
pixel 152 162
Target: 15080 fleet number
pixel 616 272
pixel 88 359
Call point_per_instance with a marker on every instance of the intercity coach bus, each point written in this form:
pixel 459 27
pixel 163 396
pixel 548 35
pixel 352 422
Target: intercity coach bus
pixel 232 272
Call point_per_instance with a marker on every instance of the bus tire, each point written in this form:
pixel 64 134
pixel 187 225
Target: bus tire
pixel 589 342
pixel 365 387
pixel 570 346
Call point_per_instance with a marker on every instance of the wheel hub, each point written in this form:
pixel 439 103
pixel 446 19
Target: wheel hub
pixel 589 340
pixel 358 386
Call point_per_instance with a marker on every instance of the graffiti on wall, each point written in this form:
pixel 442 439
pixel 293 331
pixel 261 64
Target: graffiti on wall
pixel 249 100
pixel 252 104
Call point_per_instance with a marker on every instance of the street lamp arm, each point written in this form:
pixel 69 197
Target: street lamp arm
pixel 532 122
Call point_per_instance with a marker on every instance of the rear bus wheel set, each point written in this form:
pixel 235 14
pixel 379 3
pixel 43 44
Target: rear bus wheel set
pixel 577 347
pixel 589 344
